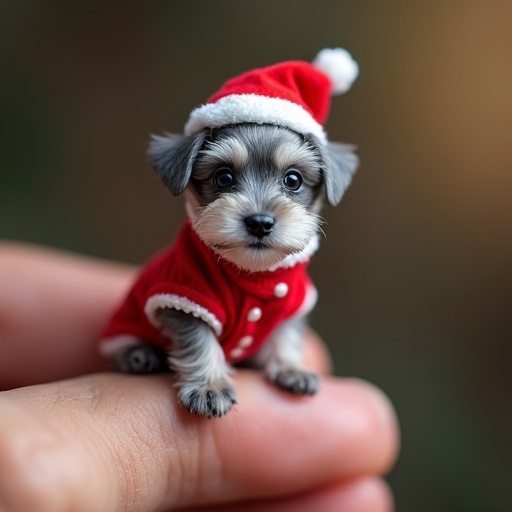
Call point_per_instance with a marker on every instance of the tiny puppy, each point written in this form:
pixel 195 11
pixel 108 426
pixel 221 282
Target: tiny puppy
pixel 254 165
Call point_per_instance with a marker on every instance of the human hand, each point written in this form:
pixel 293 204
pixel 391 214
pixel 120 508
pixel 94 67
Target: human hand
pixel 106 442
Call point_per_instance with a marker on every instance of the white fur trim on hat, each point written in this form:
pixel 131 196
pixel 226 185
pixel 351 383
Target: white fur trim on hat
pixel 169 300
pixel 339 66
pixel 253 108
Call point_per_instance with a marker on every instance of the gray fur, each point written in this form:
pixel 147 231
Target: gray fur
pixel 172 158
pixel 203 377
pixel 340 165
pixel 142 359
pixel 261 171
pixel 281 359
pixel 259 156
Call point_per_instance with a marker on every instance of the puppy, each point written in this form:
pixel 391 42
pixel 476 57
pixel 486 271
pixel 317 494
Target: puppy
pixel 234 286
pixel 254 193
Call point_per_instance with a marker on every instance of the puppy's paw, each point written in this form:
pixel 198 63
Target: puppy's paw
pixel 295 380
pixel 207 399
pixel 142 359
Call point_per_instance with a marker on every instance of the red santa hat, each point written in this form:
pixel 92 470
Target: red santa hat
pixel 292 94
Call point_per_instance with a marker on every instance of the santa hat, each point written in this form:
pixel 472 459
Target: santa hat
pixel 292 94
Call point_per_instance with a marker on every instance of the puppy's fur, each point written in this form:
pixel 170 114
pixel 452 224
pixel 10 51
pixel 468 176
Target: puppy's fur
pixel 229 175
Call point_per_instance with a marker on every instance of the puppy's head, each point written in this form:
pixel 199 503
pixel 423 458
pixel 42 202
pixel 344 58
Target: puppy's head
pixel 254 191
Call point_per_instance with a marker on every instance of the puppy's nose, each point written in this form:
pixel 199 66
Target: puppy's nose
pixel 259 225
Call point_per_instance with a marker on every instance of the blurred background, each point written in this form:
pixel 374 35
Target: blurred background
pixel 415 276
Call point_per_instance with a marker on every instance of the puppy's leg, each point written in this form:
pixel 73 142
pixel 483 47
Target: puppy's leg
pixel 203 376
pixel 141 359
pixel 132 355
pixel 282 360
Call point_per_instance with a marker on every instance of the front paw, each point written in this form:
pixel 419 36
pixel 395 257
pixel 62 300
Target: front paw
pixel 297 381
pixel 207 399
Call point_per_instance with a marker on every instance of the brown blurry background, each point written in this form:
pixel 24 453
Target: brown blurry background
pixel 415 277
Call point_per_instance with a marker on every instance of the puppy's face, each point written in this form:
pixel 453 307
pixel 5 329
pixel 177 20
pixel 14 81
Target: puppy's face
pixel 254 191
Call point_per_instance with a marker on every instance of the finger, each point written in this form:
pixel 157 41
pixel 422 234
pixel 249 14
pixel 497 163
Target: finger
pixel 348 429
pixel 364 494
pixel 316 354
pixel 53 307
pixel 126 437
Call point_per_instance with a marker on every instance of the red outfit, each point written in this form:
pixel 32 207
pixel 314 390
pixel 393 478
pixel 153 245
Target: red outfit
pixel 243 308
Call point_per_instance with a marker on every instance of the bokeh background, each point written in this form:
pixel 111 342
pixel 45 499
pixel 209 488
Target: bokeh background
pixel 415 276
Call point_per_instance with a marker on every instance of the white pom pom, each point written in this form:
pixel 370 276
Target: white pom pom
pixel 339 66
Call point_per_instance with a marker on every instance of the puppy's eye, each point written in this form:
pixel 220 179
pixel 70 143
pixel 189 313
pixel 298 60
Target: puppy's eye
pixel 224 178
pixel 292 180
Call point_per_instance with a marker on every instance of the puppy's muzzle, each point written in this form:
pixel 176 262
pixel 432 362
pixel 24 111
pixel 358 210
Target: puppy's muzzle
pixel 259 225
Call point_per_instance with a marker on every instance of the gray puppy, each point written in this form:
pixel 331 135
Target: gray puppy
pixel 253 192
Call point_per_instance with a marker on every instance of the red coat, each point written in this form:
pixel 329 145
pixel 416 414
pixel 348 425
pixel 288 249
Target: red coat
pixel 241 307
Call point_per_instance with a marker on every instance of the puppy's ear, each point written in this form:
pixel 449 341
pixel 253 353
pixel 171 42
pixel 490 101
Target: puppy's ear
pixel 340 165
pixel 173 157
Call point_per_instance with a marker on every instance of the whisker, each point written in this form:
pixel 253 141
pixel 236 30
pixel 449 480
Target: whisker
pixel 318 218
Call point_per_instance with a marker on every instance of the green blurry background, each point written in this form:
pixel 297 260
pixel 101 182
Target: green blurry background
pixel 415 277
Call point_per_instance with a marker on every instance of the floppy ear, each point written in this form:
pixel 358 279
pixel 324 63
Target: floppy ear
pixel 173 157
pixel 340 165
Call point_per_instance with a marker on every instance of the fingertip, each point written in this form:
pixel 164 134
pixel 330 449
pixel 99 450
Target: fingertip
pixel 387 422
pixel 292 442
pixel 365 494
pixel 316 354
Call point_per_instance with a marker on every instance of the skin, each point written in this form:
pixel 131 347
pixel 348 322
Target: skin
pixel 72 439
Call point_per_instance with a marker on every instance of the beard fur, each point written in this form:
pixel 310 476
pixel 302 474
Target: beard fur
pixel 221 226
